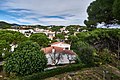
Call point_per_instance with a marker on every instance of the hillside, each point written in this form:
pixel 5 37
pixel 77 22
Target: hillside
pixel 5 25
pixel 105 72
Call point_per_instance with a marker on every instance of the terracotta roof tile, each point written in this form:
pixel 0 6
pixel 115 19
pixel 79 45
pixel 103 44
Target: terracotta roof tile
pixel 68 52
pixel 48 50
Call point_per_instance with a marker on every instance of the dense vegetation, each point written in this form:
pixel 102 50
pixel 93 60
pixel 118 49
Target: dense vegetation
pixel 102 38
pixel 5 25
pixel 94 47
pixel 98 46
pixel 53 72
pixel 27 59
pixel 103 11
pixel 104 72
pixel 7 38
pixel 40 38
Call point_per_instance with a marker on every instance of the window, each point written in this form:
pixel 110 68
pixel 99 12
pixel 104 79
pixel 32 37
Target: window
pixel 67 48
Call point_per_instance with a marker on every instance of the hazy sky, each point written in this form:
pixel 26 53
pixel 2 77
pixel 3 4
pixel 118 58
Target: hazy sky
pixel 44 12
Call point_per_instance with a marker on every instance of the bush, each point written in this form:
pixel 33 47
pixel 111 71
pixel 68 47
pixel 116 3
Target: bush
pixel 1 68
pixel 53 72
pixel 27 59
pixel 118 67
pixel 40 38
pixel 86 53
pixel 107 57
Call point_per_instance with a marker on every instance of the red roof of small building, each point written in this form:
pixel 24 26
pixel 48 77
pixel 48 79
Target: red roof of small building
pixel 48 50
pixel 68 52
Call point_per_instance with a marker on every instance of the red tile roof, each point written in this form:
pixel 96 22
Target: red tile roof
pixel 68 52
pixel 48 50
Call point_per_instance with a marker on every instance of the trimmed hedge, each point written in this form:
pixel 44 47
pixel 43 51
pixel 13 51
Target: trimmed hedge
pixel 53 72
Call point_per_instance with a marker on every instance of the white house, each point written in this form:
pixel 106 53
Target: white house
pixel 27 33
pixel 37 30
pixel 51 35
pixel 59 54
pixel 62 45
pixel 62 29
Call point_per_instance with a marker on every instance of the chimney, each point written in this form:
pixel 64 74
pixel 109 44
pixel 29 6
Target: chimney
pixel 53 50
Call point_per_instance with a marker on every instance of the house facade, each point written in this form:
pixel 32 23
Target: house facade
pixel 59 55
pixel 62 45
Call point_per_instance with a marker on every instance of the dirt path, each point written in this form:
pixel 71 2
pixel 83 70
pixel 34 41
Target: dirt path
pixel 113 70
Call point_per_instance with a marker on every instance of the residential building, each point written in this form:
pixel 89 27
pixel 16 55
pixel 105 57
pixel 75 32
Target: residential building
pixel 62 45
pixel 59 53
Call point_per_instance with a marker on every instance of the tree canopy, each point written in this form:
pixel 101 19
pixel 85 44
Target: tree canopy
pixel 56 28
pixel 4 49
pixel 7 38
pixel 103 42
pixel 12 36
pixel 102 38
pixel 60 36
pixel 102 11
pixel 116 10
pixel 5 25
pixel 27 59
pixel 40 38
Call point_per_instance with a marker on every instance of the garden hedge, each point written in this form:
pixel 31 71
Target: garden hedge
pixel 53 72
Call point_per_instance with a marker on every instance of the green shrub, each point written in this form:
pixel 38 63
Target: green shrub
pixel 27 59
pixel 118 67
pixel 106 57
pixel 85 52
pixel 40 38
pixel 53 72
pixel 1 68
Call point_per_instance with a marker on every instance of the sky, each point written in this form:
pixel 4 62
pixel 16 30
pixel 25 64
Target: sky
pixel 44 12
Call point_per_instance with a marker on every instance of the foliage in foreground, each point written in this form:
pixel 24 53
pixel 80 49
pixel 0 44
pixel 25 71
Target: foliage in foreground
pixel 53 72
pixel 27 59
pixel 94 73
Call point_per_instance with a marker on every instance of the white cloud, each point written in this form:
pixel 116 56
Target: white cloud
pixel 42 8
pixel 29 21
pixel 52 19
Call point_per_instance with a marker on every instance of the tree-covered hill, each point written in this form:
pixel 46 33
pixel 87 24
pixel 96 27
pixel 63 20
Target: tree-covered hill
pixel 5 25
